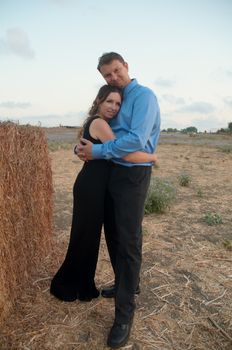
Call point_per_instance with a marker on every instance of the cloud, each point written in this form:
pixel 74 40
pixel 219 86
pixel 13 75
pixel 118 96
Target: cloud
pixel 197 107
pixel 229 73
pixel 173 99
pixel 16 42
pixel 12 104
pixel 221 73
pixel 228 101
pixel 68 119
pixel 164 82
pixel 209 123
pixel 63 2
pixel 74 118
pixel 170 121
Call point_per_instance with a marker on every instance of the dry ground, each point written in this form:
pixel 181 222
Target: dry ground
pixel 186 276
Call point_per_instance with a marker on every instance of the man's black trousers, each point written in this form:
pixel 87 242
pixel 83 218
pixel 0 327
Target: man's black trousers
pixel 124 211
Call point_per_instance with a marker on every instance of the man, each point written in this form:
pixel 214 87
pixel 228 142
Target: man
pixel 137 128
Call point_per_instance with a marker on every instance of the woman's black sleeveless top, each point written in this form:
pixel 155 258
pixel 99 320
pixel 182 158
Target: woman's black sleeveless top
pixel 86 134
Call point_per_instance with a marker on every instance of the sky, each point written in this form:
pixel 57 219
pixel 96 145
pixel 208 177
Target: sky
pixel 181 49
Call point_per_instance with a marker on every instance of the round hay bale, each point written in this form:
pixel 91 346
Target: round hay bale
pixel 25 207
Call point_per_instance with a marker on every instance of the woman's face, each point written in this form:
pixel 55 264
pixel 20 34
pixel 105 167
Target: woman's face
pixel 110 107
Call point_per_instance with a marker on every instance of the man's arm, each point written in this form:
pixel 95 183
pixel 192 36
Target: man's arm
pixel 134 157
pixel 145 117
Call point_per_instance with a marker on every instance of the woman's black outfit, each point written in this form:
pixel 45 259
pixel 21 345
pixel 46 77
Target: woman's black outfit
pixel 75 278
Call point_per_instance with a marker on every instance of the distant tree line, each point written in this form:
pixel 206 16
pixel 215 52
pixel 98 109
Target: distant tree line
pixel 193 130
pixel 68 126
pixel 188 130
pixel 227 130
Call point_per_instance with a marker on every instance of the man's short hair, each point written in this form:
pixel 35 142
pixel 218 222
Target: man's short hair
pixel 108 57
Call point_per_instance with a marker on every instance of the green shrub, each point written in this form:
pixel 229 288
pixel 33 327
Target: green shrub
pixel 227 244
pixel 185 179
pixel 212 219
pixel 57 145
pixel 226 149
pixel 161 194
pixel 199 193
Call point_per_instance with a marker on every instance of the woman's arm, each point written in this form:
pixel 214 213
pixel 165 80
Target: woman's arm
pixel 100 129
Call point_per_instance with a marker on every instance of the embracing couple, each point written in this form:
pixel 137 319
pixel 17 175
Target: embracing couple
pixel 119 138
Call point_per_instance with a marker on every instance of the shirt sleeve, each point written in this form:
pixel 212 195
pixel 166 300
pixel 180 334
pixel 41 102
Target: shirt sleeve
pixel 145 118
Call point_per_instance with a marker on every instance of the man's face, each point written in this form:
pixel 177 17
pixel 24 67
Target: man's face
pixel 116 73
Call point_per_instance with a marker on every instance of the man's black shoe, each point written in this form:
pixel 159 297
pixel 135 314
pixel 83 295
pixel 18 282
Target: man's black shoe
pixel 109 292
pixel 119 334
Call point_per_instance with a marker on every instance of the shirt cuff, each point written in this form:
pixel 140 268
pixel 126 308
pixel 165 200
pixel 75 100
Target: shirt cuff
pixel 97 151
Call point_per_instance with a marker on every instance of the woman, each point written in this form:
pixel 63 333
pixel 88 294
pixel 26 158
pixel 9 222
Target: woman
pixel 75 278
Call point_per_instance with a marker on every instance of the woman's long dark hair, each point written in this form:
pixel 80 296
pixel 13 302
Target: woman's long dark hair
pixel 102 95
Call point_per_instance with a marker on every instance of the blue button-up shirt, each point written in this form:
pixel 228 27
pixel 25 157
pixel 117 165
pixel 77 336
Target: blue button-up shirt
pixel 136 127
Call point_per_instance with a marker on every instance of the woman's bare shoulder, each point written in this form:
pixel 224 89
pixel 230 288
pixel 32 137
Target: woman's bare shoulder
pixel 99 122
pixel 101 130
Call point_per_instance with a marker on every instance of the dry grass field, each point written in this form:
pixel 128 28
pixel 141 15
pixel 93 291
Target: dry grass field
pixel 186 276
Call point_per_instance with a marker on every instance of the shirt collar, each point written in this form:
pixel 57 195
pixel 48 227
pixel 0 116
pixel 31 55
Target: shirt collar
pixel 130 87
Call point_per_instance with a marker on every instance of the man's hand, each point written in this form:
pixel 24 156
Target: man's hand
pixel 85 150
